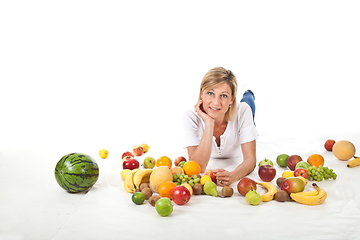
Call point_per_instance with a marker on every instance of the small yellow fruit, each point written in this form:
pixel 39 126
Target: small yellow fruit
pixel 103 153
pixel 343 150
pixel 287 174
pixel 145 147
pixel 189 187
pixel 124 172
pixel 205 179
pixel 304 180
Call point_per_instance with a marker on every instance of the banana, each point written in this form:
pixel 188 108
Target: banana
pixel 353 163
pixel 129 183
pixel 305 198
pixel 140 175
pixel 271 190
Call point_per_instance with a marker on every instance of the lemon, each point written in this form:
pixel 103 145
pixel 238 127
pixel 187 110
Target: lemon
pixel 205 179
pixel 145 147
pixel 287 174
pixel 124 172
pixel 103 153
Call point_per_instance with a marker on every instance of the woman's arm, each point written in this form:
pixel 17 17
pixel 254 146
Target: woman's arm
pixel 244 169
pixel 201 153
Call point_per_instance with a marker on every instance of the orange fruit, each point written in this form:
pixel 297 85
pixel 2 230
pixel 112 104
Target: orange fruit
pixel 316 160
pixel 344 150
pixel 164 161
pixel 165 189
pixel 191 168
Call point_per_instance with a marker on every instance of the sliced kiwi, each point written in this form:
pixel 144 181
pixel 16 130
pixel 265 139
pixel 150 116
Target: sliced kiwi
pixel 153 199
pixel 227 191
pixel 147 193
pixel 281 196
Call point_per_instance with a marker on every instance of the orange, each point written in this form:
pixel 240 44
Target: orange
pixel 316 160
pixel 165 189
pixel 191 168
pixel 164 161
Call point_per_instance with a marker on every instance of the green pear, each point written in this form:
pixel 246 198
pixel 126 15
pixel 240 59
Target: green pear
pixel 253 197
pixel 210 188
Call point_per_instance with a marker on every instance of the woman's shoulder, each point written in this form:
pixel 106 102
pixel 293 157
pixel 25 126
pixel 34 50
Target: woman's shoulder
pixel 242 107
pixel 191 113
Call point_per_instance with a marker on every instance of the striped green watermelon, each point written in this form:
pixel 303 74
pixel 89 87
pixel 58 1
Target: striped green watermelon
pixel 76 172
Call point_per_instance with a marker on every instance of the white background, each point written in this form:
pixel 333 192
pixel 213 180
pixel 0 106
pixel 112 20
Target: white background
pixel 85 75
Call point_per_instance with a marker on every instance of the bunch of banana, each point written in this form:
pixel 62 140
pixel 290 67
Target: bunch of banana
pixel 135 177
pixel 271 190
pixel 315 197
pixel 353 163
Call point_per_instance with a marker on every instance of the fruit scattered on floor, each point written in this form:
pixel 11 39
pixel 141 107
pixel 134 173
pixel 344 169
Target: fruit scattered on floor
pixel 343 150
pixel 191 168
pixel 310 197
pixel 353 163
pixel 179 179
pixel 316 160
pixel 103 153
pixel 321 173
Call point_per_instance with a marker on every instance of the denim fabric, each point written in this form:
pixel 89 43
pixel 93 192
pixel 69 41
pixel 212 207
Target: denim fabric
pixel 249 98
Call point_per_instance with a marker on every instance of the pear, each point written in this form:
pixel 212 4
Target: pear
pixel 210 188
pixel 253 197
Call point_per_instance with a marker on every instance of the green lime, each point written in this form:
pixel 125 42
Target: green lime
pixel 138 198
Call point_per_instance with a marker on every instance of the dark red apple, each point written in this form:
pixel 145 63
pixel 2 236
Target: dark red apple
pixel 138 150
pixel 245 185
pixel 211 174
pixel 178 160
pixel 131 164
pixel 127 154
pixel 292 161
pixel 267 173
pixel 293 185
pixel 329 145
pixel 180 195
pixel 301 172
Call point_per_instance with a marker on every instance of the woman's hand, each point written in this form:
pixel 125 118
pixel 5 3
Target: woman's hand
pixel 224 177
pixel 201 113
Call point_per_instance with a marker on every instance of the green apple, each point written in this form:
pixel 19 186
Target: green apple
pixel 149 162
pixel 266 162
pixel 164 207
pixel 302 164
pixel 281 160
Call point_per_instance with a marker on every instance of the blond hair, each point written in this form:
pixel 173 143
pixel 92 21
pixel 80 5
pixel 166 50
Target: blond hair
pixel 218 76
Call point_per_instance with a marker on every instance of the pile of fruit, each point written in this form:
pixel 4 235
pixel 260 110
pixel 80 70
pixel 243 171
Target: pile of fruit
pixel 161 184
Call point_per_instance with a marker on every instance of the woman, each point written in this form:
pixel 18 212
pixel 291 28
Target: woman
pixel 218 127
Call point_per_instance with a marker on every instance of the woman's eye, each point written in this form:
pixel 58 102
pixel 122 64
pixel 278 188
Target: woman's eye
pixel 210 93
pixel 224 96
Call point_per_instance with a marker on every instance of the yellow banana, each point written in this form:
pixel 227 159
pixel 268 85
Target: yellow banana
pixel 317 199
pixel 353 163
pixel 271 190
pixel 140 175
pixel 129 183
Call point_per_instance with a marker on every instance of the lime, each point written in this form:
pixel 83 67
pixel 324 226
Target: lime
pixel 138 198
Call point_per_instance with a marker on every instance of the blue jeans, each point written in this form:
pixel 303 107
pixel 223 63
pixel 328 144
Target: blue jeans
pixel 249 98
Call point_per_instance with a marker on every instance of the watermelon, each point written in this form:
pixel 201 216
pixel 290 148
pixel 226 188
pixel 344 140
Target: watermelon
pixel 76 172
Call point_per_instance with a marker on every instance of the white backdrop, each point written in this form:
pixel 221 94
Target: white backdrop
pixel 85 75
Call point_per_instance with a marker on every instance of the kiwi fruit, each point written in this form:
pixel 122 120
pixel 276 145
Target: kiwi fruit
pixel 147 193
pixel 227 191
pixel 153 199
pixel 144 185
pixel 198 189
pixel 279 181
pixel 281 196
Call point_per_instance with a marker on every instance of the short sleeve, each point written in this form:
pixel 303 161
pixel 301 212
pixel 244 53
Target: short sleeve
pixel 191 124
pixel 247 129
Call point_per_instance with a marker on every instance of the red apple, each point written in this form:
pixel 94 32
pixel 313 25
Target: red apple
pixel 127 154
pixel 292 161
pixel 211 174
pixel 180 195
pixel 131 164
pixel 329 145
pixel 245 185
pixel 178 160
pixel 267 173
pixel 138 150
pixel 301 172
pixel 293 185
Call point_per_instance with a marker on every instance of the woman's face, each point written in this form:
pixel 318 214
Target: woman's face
pixel 216 101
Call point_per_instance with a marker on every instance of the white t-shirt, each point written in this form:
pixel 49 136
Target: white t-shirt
pixel 240 130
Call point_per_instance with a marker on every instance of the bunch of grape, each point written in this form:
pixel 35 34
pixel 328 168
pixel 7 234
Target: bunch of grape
pixel 179 179
pixel 321 173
